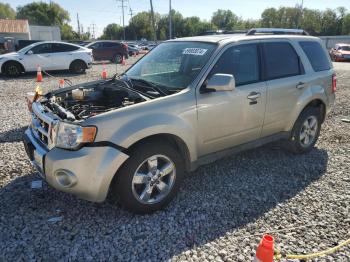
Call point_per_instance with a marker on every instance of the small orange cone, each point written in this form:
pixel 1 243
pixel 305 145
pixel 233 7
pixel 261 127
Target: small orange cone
pixel 39 76
pixel 61 83
pixel 123 61
pixel 265 250
pixel 104 72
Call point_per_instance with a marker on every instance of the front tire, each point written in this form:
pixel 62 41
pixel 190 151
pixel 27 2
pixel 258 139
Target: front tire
pixel 12 69
pixel 150 178
pixel 306 131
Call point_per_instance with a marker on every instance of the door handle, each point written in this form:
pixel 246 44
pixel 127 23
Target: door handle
pixel 300 85
pixel 254 95
pixel 47 55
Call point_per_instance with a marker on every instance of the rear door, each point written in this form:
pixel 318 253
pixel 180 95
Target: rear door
pixel 62 55
pixel 111 49
pixel 286 79
pixel 41 56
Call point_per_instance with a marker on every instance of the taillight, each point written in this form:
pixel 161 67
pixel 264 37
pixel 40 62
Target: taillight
pixel 334 83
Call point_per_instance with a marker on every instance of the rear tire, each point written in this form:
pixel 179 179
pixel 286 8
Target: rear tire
pixel 150 178
pixel 12 69
pixel 77 67
pixel 306 131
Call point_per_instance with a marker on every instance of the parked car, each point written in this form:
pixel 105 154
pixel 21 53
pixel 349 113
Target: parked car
pixel 109 50
pixel 49 55
pixel 133 50
pixel 187 103
pixel 340 53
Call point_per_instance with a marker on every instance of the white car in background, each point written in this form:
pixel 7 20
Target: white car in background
pixel 49 55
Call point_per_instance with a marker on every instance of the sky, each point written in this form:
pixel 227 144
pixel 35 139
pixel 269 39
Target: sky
pixel 103 12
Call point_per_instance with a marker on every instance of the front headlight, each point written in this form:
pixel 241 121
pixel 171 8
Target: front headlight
pixel 71 136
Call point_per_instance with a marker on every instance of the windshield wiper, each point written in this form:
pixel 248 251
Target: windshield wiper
pixel 153 86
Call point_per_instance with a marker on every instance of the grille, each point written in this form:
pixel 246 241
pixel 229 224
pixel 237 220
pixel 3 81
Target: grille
pixel 40 124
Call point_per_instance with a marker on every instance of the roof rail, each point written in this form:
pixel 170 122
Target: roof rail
pixel 276 31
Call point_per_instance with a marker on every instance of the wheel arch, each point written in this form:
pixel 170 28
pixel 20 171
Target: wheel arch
pixel 171 139
pixel 12 61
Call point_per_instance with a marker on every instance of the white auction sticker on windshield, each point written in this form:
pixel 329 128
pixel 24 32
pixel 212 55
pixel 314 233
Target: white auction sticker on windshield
pixel 194 51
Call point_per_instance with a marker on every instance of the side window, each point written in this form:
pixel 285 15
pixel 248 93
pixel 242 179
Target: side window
pixel 57 48
pixel 242 62
pixel 42 49
pixel 110 44
pixel 281 60
pixel 316 55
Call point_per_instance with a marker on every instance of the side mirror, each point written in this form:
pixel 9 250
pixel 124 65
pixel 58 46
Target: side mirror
pixel 30 52
pixel 220 82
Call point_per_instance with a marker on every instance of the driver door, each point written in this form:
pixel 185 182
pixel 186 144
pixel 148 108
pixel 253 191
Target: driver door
pixel 230 118
pixel 39 55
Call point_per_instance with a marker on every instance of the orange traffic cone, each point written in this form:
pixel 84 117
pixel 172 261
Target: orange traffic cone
pixel 265 250
pixel 104 72
pixel 123 61
pixel 61 83
pixel 39 76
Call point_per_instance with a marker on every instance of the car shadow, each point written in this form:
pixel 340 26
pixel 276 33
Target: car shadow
pixel 215 200
pixel 13 135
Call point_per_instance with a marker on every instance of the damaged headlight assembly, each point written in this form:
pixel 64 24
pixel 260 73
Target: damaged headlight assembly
pixel 71 136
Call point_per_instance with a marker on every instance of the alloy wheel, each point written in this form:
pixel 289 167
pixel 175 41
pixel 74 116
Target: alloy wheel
pixel 154 179
pixel 308 131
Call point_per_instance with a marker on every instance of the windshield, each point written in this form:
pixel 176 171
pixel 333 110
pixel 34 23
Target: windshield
pixel 345 48
pixel 26 48
pixel 172 65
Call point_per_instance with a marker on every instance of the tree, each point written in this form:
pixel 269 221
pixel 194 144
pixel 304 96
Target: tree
pixel 40 13
pixel 112 32
pixel 141 26
pixel 346 25
pixel 225 19
pixel 67 32
pixel 52 14
pixel 6 12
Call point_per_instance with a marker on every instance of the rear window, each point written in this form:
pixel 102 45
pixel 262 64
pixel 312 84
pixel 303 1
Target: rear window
pixel 56 47
pixel 281 60
pixel 316 55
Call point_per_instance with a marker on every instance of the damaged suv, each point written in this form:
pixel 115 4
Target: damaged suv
pixel 188 102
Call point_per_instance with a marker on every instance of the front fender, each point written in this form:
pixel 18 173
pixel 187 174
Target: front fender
pixel 155 124
pixel 310 94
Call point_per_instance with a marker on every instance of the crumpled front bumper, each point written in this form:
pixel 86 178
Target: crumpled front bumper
pixel 86 173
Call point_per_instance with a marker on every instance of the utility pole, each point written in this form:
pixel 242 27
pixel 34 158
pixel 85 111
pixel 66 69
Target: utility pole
pixel 123 6
pixel 153 23
pixel 170 21
pixel 300 16
pixel 93 30
pixel 78 25
pixel 131 13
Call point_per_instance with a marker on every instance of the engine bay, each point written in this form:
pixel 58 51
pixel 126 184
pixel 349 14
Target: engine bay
pixel 81 102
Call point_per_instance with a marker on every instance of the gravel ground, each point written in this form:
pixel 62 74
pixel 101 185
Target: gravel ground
pixel 219 215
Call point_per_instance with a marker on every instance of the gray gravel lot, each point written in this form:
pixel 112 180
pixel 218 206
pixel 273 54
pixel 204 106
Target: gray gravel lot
pixel 219 215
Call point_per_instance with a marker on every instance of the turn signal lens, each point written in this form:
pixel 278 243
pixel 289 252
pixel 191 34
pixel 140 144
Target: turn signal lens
pixel 89 134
